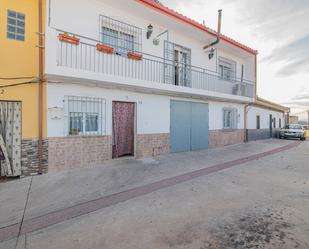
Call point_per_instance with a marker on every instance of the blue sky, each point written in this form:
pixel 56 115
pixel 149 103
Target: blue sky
pixel 278 29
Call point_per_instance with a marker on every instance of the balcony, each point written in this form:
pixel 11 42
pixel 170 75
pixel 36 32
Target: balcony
pixel 82 54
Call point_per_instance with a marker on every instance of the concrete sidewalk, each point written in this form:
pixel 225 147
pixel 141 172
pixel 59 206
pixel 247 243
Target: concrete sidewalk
pixel 59 190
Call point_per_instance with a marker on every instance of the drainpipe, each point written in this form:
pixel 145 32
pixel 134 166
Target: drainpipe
pixel 245 121
pixel 40 114
pixel 255 99
pixel 218 31
pixel 255 77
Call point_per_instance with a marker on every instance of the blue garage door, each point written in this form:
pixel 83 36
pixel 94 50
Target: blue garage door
pixel 189 126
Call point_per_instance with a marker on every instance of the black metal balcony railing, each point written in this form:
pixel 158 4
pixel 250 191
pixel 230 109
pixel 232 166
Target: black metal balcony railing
pixel 85 57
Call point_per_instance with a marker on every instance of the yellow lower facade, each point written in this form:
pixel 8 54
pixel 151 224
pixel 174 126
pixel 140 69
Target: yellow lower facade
pixel 28 95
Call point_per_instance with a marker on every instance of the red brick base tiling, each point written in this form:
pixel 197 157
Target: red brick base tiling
pixel 148 145
pixel 79 151
pixel 220 138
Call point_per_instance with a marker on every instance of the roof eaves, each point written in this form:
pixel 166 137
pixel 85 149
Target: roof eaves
pixel 269 104
pixel 170 12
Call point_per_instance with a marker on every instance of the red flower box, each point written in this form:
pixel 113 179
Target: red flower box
pixel 135 56
pixel 104 48
pixel 69 39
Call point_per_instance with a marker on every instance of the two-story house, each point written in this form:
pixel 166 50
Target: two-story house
pixel 135 78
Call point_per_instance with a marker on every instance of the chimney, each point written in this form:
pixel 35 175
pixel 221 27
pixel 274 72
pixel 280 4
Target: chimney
pixel 218 31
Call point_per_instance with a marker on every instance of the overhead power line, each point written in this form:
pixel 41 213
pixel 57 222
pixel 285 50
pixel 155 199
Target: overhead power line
pixel 19 83
pixel 17 78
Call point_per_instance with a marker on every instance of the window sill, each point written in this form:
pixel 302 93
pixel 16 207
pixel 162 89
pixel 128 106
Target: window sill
pixel 229 129
pixel 86 135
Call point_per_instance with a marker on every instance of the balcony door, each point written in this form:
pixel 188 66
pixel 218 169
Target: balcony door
pixel 177 64
pixel 182 66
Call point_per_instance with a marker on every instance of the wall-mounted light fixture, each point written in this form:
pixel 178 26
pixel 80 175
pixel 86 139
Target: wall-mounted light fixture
pixel 149 31
pixel 211 53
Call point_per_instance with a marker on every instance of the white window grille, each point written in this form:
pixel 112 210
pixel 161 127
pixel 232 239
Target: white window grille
pixel 230 118
pixel 85 115
pixel 121 36
pixel 15 25
pixel 227 69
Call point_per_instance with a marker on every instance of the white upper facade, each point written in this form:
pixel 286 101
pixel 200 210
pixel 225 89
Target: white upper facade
pixel 173 60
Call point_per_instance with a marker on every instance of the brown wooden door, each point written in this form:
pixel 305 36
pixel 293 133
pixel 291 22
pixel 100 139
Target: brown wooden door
pixel 123 128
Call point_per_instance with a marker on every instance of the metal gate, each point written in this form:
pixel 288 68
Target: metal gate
pixel 189 126
pixel 10 138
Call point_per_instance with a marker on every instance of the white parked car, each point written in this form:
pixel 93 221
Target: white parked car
pixel 293 131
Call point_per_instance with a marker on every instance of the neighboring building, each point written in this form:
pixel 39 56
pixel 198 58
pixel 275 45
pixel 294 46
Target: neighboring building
pixel 293 119
pixel 131 78
pixel 300 118
pixel 264 118
pixel 19 89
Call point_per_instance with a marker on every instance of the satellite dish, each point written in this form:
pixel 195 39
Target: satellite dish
pixel 156 41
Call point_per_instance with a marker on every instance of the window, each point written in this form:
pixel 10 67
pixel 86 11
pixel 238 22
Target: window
pixel 85 115
pixel 280 123
pixel 274 122
pixel 126 41
pixel 227 69
pixel 15 26
pixel 258 122
pixel 120 41
pixel 229 118
pixel 121 36
pixel 110 37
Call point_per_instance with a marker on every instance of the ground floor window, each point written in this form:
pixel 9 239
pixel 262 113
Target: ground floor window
pixel 83 122
pixel 274 122
pixel 229 118
pixel 85 115
pixel 280 125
